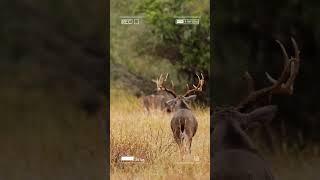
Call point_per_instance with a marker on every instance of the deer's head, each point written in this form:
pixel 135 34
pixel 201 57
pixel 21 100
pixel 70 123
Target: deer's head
pixel 159 82
pixel 229 124
pixel 181 101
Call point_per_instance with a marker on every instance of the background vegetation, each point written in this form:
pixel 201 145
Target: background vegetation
pixel 157 45
pixel 52 64
pixel 245 34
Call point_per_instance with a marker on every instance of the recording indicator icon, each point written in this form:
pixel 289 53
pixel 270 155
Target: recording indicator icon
pixel 129 20
pixel 179 21
pixel 126 21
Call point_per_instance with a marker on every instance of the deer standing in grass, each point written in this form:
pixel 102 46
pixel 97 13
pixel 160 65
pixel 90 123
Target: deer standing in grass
pixel 184 124
pixel 158 100
pixel 235 156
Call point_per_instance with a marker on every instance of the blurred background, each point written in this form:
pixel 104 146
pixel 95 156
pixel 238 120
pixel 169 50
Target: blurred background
pixel 244 40
pixel 53 89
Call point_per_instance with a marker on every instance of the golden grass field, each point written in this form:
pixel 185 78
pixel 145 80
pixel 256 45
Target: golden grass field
pixel 148 136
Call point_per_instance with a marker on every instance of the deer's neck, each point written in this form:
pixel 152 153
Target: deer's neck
pixel 183 105
pixel 234 138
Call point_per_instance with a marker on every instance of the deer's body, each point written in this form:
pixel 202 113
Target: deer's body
pixel 156 102
pixel 184 126
pixel 235 156
pixel 183 123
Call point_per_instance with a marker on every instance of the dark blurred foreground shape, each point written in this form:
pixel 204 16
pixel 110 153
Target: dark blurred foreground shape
pixel 53 89
pixel 244 40
pixel 246 32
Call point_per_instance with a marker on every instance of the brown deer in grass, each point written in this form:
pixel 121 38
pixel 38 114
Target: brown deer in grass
pixel 184 124
pixel 158 100
pixel 235 155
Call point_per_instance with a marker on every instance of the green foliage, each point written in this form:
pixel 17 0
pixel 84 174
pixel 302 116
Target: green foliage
pixel 187 45
pixel 133 47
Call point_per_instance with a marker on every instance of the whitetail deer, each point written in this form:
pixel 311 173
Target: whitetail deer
pixel 158 100
pixel 184 125
pixel 235 156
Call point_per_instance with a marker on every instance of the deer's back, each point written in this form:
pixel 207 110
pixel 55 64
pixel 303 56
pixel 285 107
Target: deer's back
pixel 154 101
pixel 240 165
pixel 183 120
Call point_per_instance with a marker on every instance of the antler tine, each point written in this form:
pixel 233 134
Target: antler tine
pixel 165 79
pixel 270 78
pixel 286 64
pixel 157 82
pixel 202 80
pixel 172 84
pixel 284 84
pixel 196 88
pixel 250 81
pixel 292 69
pixel 295 64
pixel 162 87
pixel 296 49
pixel 284 52
pixel 160 78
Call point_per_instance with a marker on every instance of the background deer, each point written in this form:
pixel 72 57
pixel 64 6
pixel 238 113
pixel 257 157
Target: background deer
pixel 235 156
pixel 183 123
pixel 158 100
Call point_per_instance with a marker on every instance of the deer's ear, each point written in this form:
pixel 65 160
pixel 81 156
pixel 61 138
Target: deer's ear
pixel 191 98
pixel 260 115
pixel 171 102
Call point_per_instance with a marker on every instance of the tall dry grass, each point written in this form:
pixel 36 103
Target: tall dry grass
pixel 148 136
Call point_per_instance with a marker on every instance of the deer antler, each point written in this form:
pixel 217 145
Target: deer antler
pixel 284 84
pixel 197 87
pixel 157 82
pixel 160 81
